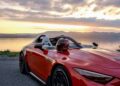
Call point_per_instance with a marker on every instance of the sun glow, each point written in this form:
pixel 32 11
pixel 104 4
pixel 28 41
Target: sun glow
pixel 29 27
pixel 60 27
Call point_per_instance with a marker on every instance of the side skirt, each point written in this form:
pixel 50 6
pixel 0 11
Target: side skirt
pixel 38 78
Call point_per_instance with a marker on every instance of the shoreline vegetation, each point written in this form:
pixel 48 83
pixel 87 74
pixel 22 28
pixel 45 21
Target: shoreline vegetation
pixel 8 53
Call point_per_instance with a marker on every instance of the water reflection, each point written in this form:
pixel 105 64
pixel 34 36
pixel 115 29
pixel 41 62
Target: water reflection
pixel 103 44
pixel 16 44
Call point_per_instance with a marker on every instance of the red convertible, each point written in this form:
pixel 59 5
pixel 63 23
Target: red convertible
pixel 61 61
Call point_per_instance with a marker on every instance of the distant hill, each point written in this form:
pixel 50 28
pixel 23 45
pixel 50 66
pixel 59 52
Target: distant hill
pixel 89 36
pixel 104 36
pixel 18 35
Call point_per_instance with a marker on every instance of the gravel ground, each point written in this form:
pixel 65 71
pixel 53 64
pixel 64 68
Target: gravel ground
pixel 10 75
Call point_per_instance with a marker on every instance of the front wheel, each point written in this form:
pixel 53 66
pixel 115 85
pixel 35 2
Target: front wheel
pixel 60 77
pixel 23 65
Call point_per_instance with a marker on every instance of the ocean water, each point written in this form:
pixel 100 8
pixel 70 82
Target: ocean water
pixel 16 44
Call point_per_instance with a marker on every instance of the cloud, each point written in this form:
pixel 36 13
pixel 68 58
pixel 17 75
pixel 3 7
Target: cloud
pixel 14 6
pixel 73 1
pixel 92 12
pixel 66 8
pixel 108 2
pixel 36 4
pixel 92 22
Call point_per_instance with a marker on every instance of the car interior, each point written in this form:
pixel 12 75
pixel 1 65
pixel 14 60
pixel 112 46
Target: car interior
pixel 50 43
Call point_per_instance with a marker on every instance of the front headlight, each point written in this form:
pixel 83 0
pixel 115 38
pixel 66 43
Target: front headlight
pixel 96 77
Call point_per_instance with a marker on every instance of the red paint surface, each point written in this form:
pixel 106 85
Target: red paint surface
pixel 96 60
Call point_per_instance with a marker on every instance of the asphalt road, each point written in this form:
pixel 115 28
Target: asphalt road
pixel 10 75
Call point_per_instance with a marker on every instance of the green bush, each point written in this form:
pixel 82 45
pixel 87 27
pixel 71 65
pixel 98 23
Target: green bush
pixel 9 53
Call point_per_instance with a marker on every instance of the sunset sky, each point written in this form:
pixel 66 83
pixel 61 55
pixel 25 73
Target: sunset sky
pixel 36 16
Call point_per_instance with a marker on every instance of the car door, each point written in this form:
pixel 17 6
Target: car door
pixel 39 62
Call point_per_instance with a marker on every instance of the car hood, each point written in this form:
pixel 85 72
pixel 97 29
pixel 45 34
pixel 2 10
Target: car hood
pixel 97 57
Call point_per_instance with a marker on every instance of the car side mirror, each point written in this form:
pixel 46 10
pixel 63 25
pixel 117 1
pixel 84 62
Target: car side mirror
pixel 45 52
pixel 95 45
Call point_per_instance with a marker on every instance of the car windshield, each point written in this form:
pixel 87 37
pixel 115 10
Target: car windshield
pixel 50 43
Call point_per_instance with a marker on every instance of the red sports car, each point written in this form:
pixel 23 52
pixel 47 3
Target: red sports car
pixel 61 61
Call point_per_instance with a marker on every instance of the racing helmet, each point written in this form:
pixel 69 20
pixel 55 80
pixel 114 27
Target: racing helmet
pixel 62 45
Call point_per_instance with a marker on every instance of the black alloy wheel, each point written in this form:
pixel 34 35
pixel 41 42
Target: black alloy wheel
pixel 60 77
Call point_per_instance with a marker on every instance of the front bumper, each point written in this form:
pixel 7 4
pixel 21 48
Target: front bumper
pixel 78 80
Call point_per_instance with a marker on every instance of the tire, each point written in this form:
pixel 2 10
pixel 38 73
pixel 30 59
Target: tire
pixel 23 67
pixel 60 77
